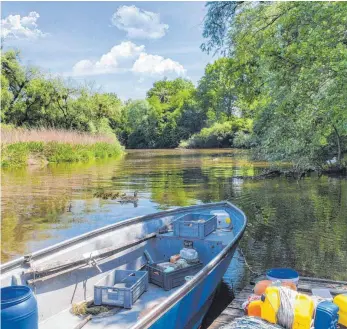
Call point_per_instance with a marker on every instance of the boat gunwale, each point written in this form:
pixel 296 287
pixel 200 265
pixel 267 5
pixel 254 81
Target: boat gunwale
pixel 85 236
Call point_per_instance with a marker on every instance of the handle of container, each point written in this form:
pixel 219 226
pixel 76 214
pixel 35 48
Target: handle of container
pixel 188 244
pixel 189 223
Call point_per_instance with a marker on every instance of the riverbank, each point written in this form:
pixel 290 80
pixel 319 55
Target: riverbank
pixel 22 147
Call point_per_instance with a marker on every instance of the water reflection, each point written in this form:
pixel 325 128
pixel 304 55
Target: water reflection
pixel 303 225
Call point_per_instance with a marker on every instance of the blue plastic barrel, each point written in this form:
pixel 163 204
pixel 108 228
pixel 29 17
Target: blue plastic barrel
pixel 283 274
pixel 18 308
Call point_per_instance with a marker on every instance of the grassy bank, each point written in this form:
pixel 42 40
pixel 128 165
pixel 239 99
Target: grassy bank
pixel 21 147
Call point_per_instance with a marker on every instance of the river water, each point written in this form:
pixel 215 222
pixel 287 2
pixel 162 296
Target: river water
pixel 296 224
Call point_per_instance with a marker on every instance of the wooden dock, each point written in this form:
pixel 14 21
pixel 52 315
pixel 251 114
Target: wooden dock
pixel 234 309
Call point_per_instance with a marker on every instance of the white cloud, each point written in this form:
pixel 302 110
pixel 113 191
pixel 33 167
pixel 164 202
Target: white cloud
pixel 17 27
pixel 139 23
pixel 111 62
pixel 128 56
pixel 157 65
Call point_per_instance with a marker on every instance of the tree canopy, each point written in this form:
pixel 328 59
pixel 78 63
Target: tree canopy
pixel 290 64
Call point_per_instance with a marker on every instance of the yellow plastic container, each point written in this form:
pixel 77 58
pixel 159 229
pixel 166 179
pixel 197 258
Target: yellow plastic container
pixel 271 304
pixel 303 308
pixel 341 302
pixel 254 308
pixel 268 308
pixel 303 312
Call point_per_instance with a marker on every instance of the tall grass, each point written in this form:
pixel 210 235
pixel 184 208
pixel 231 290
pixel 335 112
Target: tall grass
pixel 20 147
pixel 11 135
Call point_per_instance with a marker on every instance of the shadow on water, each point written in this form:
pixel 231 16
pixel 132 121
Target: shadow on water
pixel 302 225
pixel 233 281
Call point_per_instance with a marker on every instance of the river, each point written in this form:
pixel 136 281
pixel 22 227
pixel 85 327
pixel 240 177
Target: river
pixel 296 224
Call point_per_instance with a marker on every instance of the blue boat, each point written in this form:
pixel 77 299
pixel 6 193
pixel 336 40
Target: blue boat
pixel 68 272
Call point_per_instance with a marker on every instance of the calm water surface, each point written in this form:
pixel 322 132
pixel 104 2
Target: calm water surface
pixel 302 225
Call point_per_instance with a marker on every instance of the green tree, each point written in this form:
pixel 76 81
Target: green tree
pixel 141 124
pixel 291 61
pixel 177 111
pixel 216 91
pixel 33 99
pixel 16 78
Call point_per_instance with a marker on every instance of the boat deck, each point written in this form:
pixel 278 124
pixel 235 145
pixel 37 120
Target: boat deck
pixel 234 309
pixel 121 318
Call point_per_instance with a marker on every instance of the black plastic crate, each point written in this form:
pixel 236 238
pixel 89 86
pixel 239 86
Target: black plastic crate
pixel 172 279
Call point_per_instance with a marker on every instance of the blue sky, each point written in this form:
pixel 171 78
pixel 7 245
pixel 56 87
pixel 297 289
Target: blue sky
pixel 123 46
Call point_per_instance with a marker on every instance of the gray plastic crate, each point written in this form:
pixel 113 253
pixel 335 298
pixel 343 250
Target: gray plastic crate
pixel 172 279
pixel 194 225
pixel 120 288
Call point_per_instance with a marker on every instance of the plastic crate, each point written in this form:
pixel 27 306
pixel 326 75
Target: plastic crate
pixel 120 288
pixel 194 225
pixel 173 279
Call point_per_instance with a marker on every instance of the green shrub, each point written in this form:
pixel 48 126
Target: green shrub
pixel 14 155
pixel 220 135
pixel 242 140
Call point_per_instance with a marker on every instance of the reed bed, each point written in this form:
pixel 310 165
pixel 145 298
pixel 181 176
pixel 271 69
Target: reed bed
pixel 21 147
pixel 19 135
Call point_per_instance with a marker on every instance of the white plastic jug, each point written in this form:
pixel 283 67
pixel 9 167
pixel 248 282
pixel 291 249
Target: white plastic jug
pixel 189 254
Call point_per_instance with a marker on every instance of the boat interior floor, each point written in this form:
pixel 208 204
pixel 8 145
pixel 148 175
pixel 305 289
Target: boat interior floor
pixel 163 245
pixel 122 318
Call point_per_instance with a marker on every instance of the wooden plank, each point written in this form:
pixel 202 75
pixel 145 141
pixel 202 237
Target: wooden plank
pixel 305 278
pixel 306 288
pixel 224 319
pixel 233 312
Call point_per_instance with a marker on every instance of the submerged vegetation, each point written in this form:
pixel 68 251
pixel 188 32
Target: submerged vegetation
pixel 279 89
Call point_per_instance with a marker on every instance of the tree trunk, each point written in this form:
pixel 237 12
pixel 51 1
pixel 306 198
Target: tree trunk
pixel 338 140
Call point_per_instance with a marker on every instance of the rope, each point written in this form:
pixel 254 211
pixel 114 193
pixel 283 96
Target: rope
pixel 285 314
pixel 256 274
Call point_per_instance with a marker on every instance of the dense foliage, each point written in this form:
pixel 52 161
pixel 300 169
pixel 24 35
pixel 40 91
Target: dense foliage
pixel 290 63
pixel 279 88
pixel 234 132
pixel 32 99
